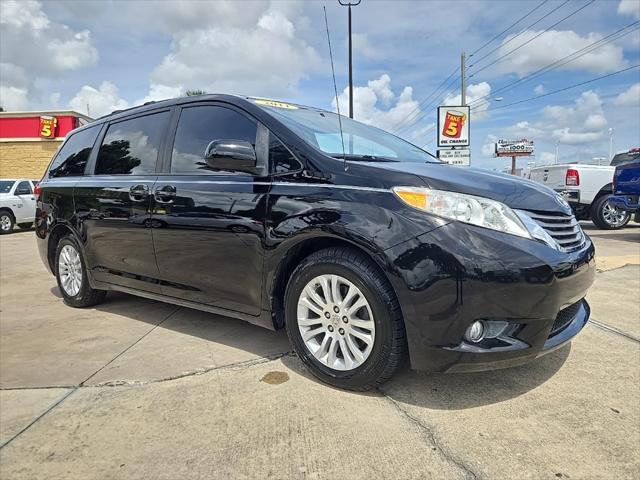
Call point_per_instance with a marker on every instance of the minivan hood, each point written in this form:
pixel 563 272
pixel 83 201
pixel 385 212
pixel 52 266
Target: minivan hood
pixel 513 191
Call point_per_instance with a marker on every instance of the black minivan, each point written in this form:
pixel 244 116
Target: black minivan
pixel 366 248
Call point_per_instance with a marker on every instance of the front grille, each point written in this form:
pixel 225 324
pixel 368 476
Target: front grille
pixel 565 317
pixel 564 229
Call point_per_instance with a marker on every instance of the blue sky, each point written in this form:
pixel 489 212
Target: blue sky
pixel 114 54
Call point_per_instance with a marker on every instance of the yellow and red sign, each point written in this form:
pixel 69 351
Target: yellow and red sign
pixel 48 126
pixel 453 126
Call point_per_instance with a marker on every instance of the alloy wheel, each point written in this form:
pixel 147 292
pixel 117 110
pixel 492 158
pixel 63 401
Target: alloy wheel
pixel 70 270
pixel 336 322
pixel 5 223
pixel 612 215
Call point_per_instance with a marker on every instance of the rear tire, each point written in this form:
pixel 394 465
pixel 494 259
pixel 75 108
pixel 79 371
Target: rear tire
pixel 6 222
pixel 605 216
pixel 72 278
pixel 370 346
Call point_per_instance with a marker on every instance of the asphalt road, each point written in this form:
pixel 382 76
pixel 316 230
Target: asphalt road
pixel 140 389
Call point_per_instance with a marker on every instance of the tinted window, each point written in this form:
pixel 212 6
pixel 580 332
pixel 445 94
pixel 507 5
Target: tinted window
pixel 23 188
pixel 131 147
pixel 74 154
pixel 280 158
pixel 198 126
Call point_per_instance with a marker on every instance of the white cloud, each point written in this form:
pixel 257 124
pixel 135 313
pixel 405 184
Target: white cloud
pixel 34 47
pixel 488 147
pixel 377 105
pixel 475 95
pixel 539 90
pixel 553 45
pixel 362 45
pixel 545 158
pixel 13 98
pixel 630 97
pixel 629 7
pixel 264 58
pixel 581 123
pixel 161 92
pixel 101 101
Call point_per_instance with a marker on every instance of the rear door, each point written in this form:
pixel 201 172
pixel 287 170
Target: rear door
pixel 113 203
pixel 208 225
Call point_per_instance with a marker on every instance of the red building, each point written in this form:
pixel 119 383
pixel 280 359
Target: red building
pixel 28 140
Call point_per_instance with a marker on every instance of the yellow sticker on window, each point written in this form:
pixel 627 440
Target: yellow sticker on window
pixel 273 103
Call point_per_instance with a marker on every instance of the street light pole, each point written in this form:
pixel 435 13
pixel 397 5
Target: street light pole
pixel 557 145
pixel 350 4
pixel 611 130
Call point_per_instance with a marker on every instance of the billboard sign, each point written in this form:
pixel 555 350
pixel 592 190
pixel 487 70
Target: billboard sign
pixel 460 157
pixel 453 126
pixel 514 148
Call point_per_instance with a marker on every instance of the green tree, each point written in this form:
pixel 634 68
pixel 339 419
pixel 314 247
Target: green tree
pixel 193 93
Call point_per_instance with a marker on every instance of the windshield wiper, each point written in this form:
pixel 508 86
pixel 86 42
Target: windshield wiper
pixel 363 158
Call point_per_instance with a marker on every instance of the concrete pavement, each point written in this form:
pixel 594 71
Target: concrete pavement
pixel 140 389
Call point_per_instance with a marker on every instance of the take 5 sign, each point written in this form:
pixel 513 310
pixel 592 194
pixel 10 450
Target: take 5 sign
pixel 453 126
pixel 48 126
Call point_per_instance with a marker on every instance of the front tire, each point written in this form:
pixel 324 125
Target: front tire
pixel 607 217
pixel 6 223
pixel 72 278
pixel 343 319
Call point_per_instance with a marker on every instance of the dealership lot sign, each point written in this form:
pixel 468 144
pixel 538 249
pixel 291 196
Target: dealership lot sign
pixel 453 126
pixel 514 148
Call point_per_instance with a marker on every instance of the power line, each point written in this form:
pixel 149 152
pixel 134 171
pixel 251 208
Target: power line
pixel 532 39
pixel 565 88
pixel 563 61
pixel 521 32
pixel 402 123
pixel 427 108
pixel 509 27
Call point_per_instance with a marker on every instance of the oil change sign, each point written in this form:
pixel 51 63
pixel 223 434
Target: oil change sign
pixel 453 126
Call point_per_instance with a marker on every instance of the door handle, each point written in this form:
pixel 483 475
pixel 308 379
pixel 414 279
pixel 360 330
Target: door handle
pixel 138 193
pixel 165 194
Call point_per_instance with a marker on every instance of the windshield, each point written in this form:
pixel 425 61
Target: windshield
pixel 5 185
pixel 361 142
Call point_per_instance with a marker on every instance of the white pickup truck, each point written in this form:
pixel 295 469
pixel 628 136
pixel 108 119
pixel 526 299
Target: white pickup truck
pixel 588 189
pixel 17 204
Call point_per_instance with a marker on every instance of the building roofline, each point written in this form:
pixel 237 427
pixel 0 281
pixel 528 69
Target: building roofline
pixel 32 113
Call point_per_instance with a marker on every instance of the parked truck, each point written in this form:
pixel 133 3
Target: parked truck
pixel 588 188
pixel 626 188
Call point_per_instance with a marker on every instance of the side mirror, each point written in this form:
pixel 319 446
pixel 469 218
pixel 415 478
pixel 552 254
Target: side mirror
pixel 238 155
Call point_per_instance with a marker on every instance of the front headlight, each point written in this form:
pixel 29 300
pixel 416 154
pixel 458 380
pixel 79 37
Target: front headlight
pixel 479 211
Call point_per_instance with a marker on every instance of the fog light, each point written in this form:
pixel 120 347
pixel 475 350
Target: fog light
pixel 475 332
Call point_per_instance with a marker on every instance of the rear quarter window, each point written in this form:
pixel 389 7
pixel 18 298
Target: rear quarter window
pixel 72 158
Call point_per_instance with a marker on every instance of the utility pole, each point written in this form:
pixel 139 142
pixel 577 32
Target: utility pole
pixel 557 145
pixel 353 3
pixel 463 78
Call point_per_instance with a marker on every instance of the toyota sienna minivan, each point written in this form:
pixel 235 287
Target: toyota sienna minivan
pixel 366 248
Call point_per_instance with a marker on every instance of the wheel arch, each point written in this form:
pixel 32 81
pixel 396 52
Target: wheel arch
pixel 607 189
pixel 303 248
pixel 9 211
pixel 57 233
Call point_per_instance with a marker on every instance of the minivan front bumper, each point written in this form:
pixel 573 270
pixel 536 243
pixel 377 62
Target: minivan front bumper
pixel 458 274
